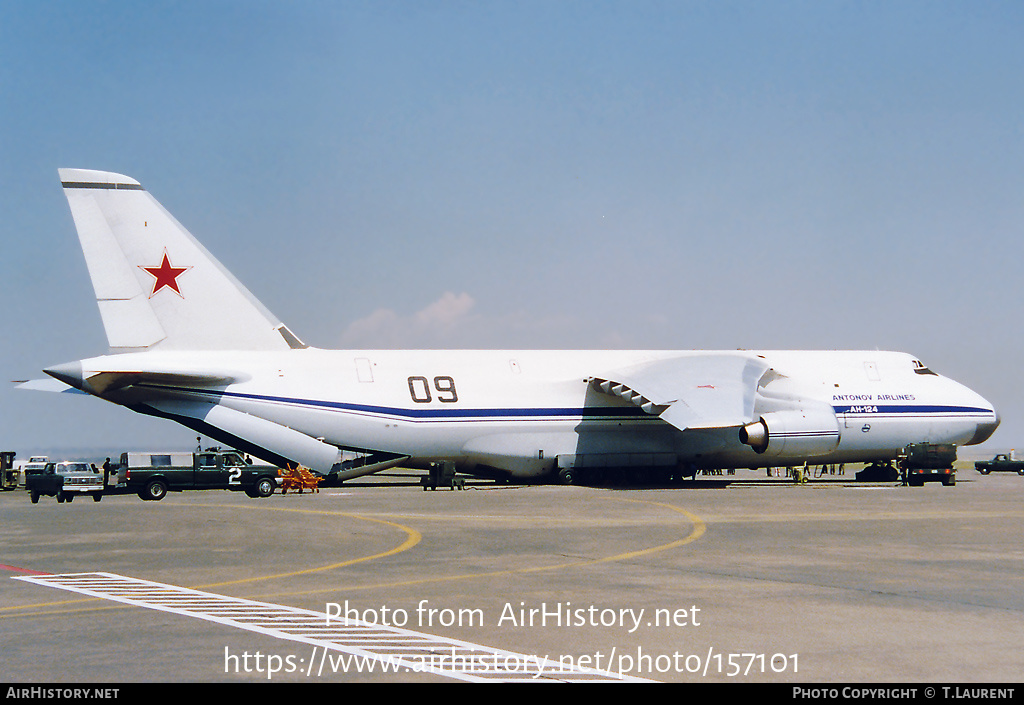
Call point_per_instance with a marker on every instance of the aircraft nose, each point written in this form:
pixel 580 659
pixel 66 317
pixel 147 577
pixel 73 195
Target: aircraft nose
pixel 985 429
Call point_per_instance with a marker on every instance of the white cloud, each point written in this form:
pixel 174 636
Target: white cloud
pixel 451 322
pixel 446 312
pixel 428 327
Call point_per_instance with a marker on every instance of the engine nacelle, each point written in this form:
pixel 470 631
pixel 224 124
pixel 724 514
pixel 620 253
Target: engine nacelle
pixel 799 433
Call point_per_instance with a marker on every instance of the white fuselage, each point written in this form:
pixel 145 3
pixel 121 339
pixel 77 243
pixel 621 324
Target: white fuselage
pixel 527 412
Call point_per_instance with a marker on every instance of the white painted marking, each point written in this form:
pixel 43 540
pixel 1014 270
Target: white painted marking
pixel 393 649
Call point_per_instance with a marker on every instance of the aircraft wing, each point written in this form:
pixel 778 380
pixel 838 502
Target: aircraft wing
pixel 697 391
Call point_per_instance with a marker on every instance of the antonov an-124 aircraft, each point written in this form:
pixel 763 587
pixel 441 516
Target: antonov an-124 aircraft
pixel 189 342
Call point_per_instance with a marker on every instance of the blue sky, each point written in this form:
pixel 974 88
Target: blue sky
pixel 531 175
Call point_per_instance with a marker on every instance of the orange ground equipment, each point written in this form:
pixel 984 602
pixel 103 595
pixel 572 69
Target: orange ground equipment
pixel 299 478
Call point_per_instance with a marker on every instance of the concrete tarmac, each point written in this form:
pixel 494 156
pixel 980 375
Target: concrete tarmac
pixel 730 579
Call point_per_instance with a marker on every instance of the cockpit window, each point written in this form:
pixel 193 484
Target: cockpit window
pixel 920 369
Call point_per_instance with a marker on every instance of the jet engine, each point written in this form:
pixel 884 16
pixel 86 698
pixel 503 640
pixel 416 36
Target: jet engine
pixel 798 432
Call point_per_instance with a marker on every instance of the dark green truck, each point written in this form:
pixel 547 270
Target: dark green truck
pixel 153 475
pixel 65 481
pixel 928 462
pixel 1004 462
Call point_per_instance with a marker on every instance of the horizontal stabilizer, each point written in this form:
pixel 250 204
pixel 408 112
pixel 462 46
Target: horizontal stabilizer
pixel 108 381
pixel 100 382
pixel 46 385
pixel 693 391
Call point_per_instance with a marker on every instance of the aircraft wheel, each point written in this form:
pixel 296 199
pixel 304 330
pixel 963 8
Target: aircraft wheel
pixel 156 490
pixel 566 476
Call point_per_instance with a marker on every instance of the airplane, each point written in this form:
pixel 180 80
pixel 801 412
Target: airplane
pixel 188 342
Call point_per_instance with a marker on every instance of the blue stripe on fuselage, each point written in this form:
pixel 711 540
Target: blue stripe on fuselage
pixel 908 410
pixel 431 413
pixel 599 412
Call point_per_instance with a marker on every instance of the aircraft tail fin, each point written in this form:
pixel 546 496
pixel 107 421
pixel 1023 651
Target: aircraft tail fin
pixel 156 285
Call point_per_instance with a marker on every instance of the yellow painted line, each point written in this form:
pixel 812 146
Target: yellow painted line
pixel 55 611
pixel 413 537
pixel 699 528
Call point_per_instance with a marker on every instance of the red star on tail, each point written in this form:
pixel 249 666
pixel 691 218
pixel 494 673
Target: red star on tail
pixel 166 276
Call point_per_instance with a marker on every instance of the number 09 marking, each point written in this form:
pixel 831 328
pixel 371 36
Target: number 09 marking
pixel 419 389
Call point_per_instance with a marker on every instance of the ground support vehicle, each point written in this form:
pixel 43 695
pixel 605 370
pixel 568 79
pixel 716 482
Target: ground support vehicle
pixel 442 474
pixel 65 481
pixel 153 475
pixel 8 473
pixel 299 478
pixel 928 462
pixel 1004 462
